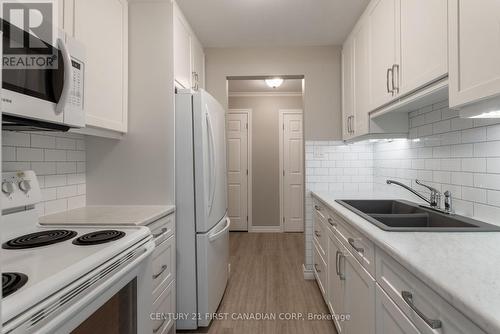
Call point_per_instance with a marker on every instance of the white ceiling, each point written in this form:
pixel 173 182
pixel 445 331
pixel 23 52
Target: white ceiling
pixel 259 86
pixel 247 23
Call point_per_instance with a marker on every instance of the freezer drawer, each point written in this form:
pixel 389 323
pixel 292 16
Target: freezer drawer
pixel 212 268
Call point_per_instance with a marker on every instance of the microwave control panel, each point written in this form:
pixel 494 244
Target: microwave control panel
pixel 76 96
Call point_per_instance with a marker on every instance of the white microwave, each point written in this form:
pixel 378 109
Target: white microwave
pixel 43 98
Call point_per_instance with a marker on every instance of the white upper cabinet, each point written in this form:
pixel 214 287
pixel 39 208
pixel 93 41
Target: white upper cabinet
pixel 189 58
pixel 182 52
pixel 382 46
pixel 361 36
pixel 102 26
pixel 198 64
pixel 474 50
pixel 348 89
pixel 424 50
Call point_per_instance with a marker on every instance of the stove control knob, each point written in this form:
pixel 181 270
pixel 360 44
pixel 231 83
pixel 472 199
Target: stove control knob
pixel 7 187
pixel 25 186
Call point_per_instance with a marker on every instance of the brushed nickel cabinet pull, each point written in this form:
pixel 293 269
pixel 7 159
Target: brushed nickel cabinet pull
pixel 389 71
pixel 331 222
pixel 432 323
pixel 357 249
pixel 163 268
pixel 316 268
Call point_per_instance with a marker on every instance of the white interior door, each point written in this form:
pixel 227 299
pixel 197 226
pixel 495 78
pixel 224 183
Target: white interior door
pixel 237 170
pixel 293 171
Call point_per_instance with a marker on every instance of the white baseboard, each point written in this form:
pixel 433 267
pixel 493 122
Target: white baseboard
pixel 308 274
pixel 265 229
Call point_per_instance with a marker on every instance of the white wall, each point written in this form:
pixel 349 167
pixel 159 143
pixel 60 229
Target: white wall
pixel 58 159
pixel 319 65
pixel 139 169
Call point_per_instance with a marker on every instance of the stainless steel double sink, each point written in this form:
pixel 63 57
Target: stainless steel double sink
pixel 404 216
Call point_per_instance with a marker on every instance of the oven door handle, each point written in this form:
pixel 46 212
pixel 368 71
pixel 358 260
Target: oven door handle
pixel 68 76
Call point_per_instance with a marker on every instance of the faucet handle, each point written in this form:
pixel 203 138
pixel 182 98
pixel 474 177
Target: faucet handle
pixel 432 189
pixel 448 201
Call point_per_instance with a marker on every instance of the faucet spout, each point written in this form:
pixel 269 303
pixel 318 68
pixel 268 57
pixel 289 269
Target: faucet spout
pixel 410 190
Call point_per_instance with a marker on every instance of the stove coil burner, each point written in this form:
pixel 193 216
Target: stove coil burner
pixel 39 239
pixel 11 282
pixel 98 237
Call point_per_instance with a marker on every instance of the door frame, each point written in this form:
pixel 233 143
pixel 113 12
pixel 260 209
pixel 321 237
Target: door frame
pixel 282 113
pixel 247 112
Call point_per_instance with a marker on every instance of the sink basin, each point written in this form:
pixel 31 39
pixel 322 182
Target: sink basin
pixel 403 216
pixel 383 206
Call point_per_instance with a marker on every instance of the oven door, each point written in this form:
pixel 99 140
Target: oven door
pixel 116 298
pixel 42 90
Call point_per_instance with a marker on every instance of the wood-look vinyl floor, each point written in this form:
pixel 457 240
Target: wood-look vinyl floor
pixel 267 278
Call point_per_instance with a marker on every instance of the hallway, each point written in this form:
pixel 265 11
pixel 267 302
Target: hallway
pixel 267 279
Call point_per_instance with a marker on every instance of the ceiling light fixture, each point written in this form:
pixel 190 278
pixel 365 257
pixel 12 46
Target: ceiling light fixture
pixel 274 82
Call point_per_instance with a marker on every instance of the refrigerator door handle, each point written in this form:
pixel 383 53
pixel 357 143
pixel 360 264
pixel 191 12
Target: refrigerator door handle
pixel 217 235
pixel 213 163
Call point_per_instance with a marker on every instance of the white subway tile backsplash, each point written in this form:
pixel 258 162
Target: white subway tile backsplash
pixel 18 139
pixel 29 154
pixel 65 144
pixel 42 141
pixel 59 161
pixel 55 155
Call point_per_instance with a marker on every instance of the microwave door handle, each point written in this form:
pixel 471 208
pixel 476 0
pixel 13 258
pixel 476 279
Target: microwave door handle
pixel 68 76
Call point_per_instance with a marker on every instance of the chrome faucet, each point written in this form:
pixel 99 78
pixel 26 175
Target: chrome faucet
pixel 435 199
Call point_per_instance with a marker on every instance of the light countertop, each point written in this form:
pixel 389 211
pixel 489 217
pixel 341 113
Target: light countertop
pixel 109 215
pixel 463 268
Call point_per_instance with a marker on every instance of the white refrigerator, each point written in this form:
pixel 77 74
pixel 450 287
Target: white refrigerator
pixel 202 229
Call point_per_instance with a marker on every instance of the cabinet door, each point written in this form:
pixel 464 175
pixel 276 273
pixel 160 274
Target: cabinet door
pixel 361 36
pixel 390 319
pixel 347 88
pixel 182 52
pixel 101 25
pixel 474 50
pixel 359 301
pixel 424 50
pixel 382 26
pixel 335 287
pixel 65 15
pixel 198 63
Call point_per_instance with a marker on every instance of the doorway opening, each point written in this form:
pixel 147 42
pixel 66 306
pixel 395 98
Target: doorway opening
pixel 265 144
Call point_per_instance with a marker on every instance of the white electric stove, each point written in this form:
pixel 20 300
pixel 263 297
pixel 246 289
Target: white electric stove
pixel 70 279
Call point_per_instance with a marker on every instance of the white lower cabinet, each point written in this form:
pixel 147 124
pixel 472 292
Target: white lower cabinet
pixel 335 286
pixel 390 319
pixel 359 301
pixel 350 291
pixel 163 276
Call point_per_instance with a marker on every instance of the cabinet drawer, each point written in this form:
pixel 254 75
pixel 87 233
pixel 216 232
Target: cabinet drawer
pixel 163 265
pixel 359 245
pixel 320 270
pixel 163 228
pixel 389 318
pixel 163 309
pixel 407 291
pixel 320 234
